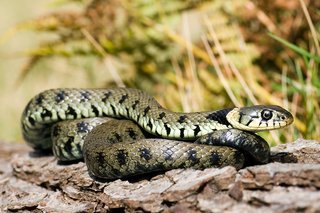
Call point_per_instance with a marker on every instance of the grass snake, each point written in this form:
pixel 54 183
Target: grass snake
pixel 142 136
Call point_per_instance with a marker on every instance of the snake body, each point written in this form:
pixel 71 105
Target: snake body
pixel 134 155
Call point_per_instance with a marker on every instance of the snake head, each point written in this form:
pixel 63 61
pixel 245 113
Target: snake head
pixel 259 118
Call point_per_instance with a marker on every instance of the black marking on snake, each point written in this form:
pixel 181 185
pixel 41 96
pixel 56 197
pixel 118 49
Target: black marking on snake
pixel 85 96
pixel 132 133
pixel 149 124
pixel 240 117
pixel 215 158
pixel 83 126
pixel 60 96
pixel 261 123
pixel 117 136
pixel 56 131
pixel 71 111
pixel 123 98
pixel 192 155
pixel 162 115
pixel 138 118
pixel 168 154
pixel 113 109
pixel 122 157
pixel 95 110
pixel 146 110
pixel 145 153
pixel 220 116
pixel 39 99
pixel 79 148
pixel 196 130
pixel 106 96
pixel 100 158
pixel 249 122
pixel 46 113
pixel 135 104
pixel 127 110
pixel 31 120
pixel 68 145
pixel 168 130
pixel 182 132
pixel 182 119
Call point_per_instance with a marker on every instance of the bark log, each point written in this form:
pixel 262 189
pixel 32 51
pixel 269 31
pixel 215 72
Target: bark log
pixel 290 183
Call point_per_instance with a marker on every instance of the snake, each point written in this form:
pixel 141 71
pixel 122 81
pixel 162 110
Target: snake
pixel 124 132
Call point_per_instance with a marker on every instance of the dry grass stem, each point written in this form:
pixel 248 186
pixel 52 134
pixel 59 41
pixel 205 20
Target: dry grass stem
pixel 311 25
pixel 196 98
pixel 219 73
pixel 180 83
pixel 107 60
pixel 228 65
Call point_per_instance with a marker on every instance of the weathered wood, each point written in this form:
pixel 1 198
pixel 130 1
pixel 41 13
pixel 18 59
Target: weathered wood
pixel 38 183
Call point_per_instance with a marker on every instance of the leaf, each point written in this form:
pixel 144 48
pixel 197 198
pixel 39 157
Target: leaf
pixel 295 48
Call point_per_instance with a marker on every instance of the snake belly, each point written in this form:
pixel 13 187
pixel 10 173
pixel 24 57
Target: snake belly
pixel 137 155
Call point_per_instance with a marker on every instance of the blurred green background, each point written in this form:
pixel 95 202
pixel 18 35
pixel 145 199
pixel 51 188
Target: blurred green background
pixel 191 55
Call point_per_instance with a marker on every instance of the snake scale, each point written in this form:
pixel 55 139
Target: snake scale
pixel 74 123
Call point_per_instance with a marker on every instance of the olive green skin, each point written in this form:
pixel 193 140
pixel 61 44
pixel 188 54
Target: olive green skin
pixel 111 155
pixel 111 151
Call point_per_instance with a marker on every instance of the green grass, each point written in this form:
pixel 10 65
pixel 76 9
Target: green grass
pixel 305 84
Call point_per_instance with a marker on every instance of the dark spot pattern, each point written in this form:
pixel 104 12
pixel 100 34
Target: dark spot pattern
pixel 68 145
pixel 196 130
pixel 122 157
pixel 60 96
pixel 134 105
pixel 46 113
pixel 100 158
pixel 83 126
pixel 145 153
pixel 106 96
pixel 95 110
pixel 182 119
pixel 192 155
pixel 132 133
pixel 182 132
pixel 31 120
pixel 168 154
pixel 146 110
pixel 123 98
pixel 117 136
pixel 39 99
pixel 215 159
pixel 71 111
pixel 149 124
pixel 162 115
pixel 85 96
pixel 56 131
pixel 168 130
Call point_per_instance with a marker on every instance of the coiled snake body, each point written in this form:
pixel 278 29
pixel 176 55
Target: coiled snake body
pixel 183 139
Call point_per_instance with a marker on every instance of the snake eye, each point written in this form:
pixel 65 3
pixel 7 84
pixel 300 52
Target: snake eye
pixel 266 114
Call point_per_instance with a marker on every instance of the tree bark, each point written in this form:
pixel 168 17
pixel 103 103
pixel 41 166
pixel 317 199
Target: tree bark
pixel 33 183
